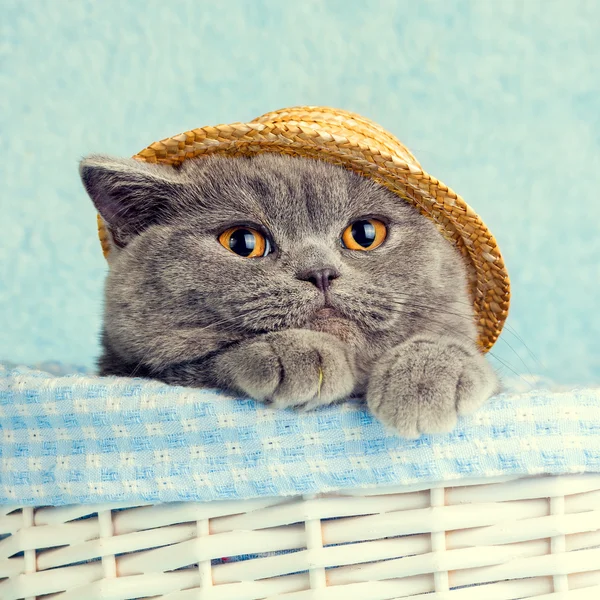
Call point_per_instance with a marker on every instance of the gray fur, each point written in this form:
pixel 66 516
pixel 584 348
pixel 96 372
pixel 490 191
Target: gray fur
pixel 295 367
pixel 445 377
pixel 398 325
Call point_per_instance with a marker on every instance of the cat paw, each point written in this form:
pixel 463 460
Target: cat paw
pixel 293 368
pixel 422 385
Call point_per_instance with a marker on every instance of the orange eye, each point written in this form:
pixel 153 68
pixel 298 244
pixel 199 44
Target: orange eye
pixel 365 234
pixel 245 242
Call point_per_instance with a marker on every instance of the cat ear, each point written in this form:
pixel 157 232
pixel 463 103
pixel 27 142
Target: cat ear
pixel 130 195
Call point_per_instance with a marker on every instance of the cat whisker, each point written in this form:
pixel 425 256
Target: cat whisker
pixel 507 327
pixel 468 317
pixel 450 330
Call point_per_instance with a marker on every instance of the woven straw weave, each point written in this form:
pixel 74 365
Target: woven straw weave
pixel 346 139
pixel 505 539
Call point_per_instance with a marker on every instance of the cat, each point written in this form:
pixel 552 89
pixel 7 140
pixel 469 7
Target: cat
pixel 288 280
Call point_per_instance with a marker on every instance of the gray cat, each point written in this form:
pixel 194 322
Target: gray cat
pixel 289 280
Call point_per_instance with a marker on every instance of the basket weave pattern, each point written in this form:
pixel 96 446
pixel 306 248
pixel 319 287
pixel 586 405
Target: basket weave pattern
pixel 358 144
pixel 521 538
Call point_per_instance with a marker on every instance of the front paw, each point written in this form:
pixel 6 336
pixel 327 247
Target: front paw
pixel 422 385
pixel 296 367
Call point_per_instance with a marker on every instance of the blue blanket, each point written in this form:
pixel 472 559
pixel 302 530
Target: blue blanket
pixel 84 439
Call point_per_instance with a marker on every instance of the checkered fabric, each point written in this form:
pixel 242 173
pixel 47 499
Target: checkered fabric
pixel 85 439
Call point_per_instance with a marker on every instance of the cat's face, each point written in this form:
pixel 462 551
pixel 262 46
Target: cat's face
pixel 182 286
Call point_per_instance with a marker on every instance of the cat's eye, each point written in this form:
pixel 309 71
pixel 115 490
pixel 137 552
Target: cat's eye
pixel 245 242
pixel 365 234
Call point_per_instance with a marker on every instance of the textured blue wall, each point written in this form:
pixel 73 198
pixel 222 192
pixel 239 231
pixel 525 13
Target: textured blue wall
pixel 500 100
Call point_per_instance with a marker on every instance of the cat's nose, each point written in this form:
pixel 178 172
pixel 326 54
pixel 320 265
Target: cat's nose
pixel 320 278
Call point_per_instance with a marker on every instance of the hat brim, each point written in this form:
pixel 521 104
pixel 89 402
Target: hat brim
pixel 355 143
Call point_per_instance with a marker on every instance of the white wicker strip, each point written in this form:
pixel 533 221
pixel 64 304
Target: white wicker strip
pixel 474 540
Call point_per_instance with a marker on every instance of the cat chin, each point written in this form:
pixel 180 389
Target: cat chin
pixel 334 325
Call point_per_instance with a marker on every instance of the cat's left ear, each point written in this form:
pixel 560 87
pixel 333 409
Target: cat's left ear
pixel 130 195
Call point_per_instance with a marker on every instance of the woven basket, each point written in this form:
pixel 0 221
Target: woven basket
pixel 492 540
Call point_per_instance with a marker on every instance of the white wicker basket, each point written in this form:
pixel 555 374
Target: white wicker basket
pixel 491 540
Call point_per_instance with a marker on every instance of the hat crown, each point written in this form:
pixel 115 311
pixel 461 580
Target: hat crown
pixel 343 124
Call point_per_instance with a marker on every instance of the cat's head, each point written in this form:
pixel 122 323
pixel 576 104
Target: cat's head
pixel 222 249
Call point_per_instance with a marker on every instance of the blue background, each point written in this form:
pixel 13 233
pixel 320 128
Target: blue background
pixel 500 100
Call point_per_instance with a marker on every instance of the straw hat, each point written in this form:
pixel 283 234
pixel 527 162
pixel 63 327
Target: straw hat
pixel 353 142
